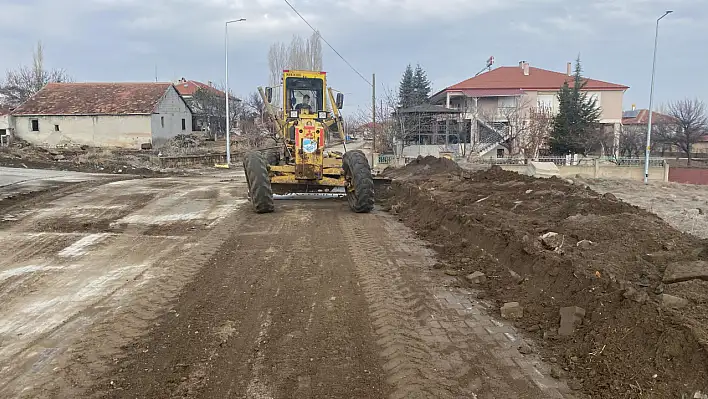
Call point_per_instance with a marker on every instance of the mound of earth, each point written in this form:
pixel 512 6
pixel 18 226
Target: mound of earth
pixel 548 244
pixel 424 166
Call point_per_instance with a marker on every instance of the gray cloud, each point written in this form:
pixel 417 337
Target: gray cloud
pixel 114 40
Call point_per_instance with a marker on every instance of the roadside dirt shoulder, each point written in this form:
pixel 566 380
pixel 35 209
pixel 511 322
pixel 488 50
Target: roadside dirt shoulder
pixel 550 245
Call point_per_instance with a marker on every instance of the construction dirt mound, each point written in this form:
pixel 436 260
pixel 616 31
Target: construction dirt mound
pixel 635 323
pixel 424 166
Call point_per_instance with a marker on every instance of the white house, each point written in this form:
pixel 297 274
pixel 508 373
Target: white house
pixel 124 115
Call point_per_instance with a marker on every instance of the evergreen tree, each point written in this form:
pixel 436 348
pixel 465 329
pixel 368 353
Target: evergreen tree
pixel 421 86
pixel 574 125
pixel 406 89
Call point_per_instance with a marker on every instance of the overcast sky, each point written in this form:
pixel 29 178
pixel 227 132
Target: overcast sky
pixel 126 40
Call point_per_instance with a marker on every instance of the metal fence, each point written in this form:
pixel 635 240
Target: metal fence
pixel 621 161
pixel 571 161
pixel 386 158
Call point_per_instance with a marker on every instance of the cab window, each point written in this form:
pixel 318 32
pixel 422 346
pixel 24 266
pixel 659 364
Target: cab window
pixel 302 91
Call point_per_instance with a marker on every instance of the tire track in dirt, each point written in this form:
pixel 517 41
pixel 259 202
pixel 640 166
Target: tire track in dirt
pixel 428 345
pixel 278 314
pixel 409 362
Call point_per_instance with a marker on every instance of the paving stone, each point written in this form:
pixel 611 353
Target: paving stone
pixel 512 310
pixel 525 349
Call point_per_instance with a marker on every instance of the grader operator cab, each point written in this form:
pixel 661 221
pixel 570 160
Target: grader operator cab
pixel 301 164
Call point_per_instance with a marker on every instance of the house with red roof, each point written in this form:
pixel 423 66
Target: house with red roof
pixel 206 117
pixel 187 88
pixel 638 120
pixel 128 115
pixel 488 99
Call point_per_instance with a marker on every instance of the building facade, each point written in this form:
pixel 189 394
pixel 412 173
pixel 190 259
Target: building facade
pixel 493 101
pixel 127 115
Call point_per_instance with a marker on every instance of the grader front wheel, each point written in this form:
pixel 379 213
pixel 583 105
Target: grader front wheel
pixel 260 192
pixel 360 192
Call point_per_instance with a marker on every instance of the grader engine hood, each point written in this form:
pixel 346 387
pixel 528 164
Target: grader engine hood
pixel 309 149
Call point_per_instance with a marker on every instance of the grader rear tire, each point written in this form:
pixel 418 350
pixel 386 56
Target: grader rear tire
pixel 360 195
pixel 260 192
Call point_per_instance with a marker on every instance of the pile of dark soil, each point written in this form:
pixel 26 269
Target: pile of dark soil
pixel 424 166
pixel 599 253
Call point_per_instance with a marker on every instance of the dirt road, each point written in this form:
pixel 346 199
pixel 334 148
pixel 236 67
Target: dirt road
pixel 172 287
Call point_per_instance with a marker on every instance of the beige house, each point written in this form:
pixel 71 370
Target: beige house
pixel 127 115
pixel 493 100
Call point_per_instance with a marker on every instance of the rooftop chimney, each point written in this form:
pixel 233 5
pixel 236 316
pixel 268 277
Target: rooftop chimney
pixel 570 69
pixel 209 83
pixel 634 107
pixel 526 68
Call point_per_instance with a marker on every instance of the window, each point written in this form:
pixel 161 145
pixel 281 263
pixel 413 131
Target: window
pixel 3 132
pixel 298 88
pixel 184 124
pixel 594 96
pixel 500 153
pixel 56 128
pixel 162 121
pixel 547 102
pixel 507 102
pixel 34 125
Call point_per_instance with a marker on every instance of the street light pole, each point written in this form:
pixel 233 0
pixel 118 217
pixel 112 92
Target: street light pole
pixel 651 100
pixel 228 117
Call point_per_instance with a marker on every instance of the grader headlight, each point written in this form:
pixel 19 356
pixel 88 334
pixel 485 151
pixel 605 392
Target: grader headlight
pixel 294 113
pixel 322 115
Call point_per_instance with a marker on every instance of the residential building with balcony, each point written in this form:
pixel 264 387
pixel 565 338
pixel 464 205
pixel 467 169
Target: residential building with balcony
pixel 489 99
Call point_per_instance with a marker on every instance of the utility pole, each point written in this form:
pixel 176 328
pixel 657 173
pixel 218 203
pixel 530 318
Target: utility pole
pixel 373 116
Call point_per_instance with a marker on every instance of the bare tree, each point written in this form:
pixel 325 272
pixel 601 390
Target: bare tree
pixel 389 128
pixel 298 57
pixel 314 44
pixel 602 136
pixel 518 126
pixel 211 105
pixel 689 124
pixel 277 61
pixel 298 54
pixel 21 84
pixel 540 125
pixel 632 140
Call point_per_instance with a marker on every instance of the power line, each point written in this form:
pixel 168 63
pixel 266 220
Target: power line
pixel 326 42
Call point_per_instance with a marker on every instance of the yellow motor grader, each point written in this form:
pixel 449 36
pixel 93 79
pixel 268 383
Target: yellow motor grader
pixel 301 163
